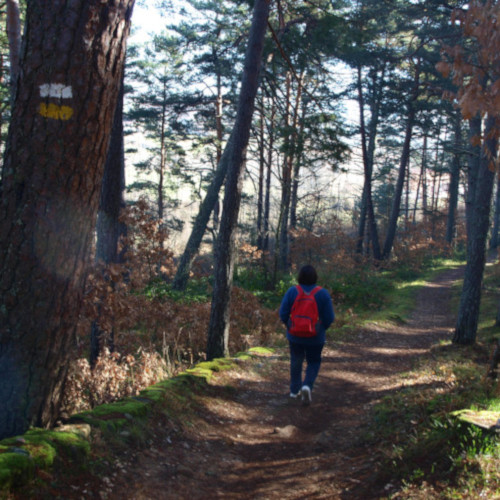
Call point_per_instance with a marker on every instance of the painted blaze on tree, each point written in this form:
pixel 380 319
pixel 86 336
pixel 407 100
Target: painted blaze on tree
pixel 69 78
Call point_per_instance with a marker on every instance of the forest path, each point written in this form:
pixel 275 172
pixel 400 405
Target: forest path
pixel 253 443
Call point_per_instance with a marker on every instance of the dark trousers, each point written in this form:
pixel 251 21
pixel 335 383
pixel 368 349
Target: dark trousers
pixel 312 355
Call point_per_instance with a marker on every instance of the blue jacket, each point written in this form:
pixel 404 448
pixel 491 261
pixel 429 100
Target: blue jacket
pixel 325 311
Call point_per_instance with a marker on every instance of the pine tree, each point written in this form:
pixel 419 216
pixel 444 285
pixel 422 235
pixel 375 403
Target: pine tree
pixel 218 330
pixel 57 145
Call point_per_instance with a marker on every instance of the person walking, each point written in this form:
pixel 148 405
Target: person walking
pixel 307 311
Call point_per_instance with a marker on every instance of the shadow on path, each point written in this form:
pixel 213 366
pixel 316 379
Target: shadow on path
pixel 253 443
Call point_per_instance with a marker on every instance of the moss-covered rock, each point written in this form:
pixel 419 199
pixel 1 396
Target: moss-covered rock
pixel 15 469
pixel 20 456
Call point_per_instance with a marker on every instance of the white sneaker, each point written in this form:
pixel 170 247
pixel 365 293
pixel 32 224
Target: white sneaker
pixel 306 395
pixel 294 395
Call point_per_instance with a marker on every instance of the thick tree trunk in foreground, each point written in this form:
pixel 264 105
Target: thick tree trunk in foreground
pixel 468 313
pixel 56 149
pixel 218 330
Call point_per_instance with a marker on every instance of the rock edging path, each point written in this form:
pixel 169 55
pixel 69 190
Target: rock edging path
pixel 253 443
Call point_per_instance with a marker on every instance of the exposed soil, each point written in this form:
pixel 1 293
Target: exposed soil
pixel 254 443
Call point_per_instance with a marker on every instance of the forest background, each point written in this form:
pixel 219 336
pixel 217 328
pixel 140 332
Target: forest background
pixel 422 78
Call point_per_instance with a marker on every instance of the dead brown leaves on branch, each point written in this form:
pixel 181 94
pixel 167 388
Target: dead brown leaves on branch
pixel 474 66
pixel 155 335
pixel 332 250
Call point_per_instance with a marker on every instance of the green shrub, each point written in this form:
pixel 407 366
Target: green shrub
pixel 198 290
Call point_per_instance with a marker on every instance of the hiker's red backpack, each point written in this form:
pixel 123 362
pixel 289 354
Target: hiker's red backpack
pixel 304 315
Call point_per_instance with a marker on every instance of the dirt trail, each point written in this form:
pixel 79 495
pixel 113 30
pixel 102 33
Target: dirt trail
pixel 255 444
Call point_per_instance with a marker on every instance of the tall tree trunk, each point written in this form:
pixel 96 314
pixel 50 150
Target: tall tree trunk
pixel 262 166
pixel 407 195
pixel 425 195
pixel 200 223
pixel 267 199
pixel 14 36
pixel 286 187
pixel 219 129
pixel 468 313
pixel 297 140
pixel 421 182
pixel 405 158
pixel 496 218
pixel 2 81
pixel 209 204
pixel 109 228
pixel 368 150
pixel 473 168
pixel 218 330
pixel 454 180
pixel 54 161
pixel 163 155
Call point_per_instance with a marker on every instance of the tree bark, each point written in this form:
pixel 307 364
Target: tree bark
pixel 14 36
pixel 396 203
pixel 210 203
pixel 454 181
pixel 267 198
pixel 200 223
pixel 286 188
pixel 262 166
pixel 496 218
pixel 421 183
pixel 218 330
pixel 367 210
pixel 61 123
pixel 298 140
pixel 473 167
pixel 109 227
pixel 405 158
pixel 468 313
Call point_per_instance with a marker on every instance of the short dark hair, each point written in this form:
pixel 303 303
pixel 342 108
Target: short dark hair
pixel 307 275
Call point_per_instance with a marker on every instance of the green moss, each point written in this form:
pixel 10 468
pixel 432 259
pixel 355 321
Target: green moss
pixel 15 470
pixel 216 365
pixel 106 423
pixel 164 385
pixel 152 393
pixel 113 416
pixel 70 444
pixel 38 448
pixel 242 356
pixel 201 372
pixel 261 350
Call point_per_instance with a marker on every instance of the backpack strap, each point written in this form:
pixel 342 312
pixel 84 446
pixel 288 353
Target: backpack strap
pixel 312 293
